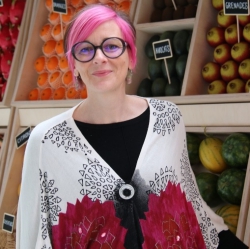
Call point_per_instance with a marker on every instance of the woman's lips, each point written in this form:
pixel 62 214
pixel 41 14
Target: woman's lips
pixel 102 73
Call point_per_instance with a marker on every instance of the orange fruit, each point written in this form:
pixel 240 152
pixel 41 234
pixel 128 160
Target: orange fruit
pixel 55 79
pixel 46 93
pixel 57 31
pixel 39 64
pixel 63 64
pixel 83 93
pixel 43 80
pixel 59 48
pixel 77 3
pixel 72 93
pixel 112 5
pixel 49 48
pixel 59 93
pixel 52 63
pixel 48 5
pixel 67 78
pixel 34 94
pixel 54 18
pixel 66 18
pixel 124 6
pixel 90 1
pixel 45 32
pixel 79 8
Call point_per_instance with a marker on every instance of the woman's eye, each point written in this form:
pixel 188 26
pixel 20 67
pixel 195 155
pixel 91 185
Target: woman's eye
pixel 111 47
pixel 86 50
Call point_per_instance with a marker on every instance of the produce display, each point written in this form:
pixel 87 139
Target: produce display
pixel 157 83
pixel 11 14
pixel 221 171
pixel 54 79
pixel 165 10
pixel 229 72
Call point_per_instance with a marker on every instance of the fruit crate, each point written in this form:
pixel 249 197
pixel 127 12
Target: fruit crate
pixel 5 130
pixel 27 77
pixel 18 54
pixel 194 88
pixel 242 231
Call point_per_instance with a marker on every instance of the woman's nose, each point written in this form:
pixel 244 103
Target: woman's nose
pixel 99 56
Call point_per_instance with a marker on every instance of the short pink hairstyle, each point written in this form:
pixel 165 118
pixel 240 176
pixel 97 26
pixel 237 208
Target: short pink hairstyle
pixel 88 19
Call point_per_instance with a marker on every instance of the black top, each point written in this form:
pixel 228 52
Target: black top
pixel 119 144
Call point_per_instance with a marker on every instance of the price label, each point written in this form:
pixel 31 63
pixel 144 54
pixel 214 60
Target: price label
pixel 1 3
pixel 236 7
pixel 162 49
pixel 60 6
pixel 8 222
pixel 23 137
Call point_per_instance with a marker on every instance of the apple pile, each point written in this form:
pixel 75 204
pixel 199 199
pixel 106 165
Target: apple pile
pixel 11 14
pixel 229 72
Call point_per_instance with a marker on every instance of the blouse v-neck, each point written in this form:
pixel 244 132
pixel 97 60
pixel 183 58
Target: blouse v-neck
pixel 119 144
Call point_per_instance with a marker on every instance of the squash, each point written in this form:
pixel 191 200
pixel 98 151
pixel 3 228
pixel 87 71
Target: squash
pixel 211 155
pixel 230 215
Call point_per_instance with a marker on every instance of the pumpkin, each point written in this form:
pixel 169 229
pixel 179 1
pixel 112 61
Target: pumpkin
pixel 211 155
pixel 230 215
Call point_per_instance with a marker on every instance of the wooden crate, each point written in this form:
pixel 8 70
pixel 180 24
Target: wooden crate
pixel 194 88
pixel 27 77
pixel 5 128
pixel 18 54
pixel 243 230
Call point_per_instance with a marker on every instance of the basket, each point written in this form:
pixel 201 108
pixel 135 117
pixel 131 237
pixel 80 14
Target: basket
pixel 7 240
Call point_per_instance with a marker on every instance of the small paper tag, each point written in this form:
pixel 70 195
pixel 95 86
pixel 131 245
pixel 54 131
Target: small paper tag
pixel 162 49
pixel 8 222
pixel 23 137
pixel 236 7
pixel 60 6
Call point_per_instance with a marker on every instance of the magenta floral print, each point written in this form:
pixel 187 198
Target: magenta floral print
pixel 88 224
pixel 171 222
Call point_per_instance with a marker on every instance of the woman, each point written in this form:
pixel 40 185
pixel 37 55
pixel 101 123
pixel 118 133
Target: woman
pixel 114 170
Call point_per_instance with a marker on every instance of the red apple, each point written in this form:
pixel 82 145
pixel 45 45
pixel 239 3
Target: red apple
pixel 246 32
pixel 243 19
pixel 225 20
pixel 215 36
pixel 222 53
pixel 211 72
pixel 231 34
pixel 244 69
pixel 217 87
pixel 217 4
pixel 229 70
pixel 247 86
pixel 240 51
pixel 236 86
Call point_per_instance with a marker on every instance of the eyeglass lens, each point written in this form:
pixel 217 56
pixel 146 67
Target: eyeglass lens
pixel 112 48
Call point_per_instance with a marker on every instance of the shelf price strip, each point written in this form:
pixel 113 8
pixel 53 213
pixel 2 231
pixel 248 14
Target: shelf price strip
pixel 162 50
pixel 236 7
pixel 23 137
pixel 8 222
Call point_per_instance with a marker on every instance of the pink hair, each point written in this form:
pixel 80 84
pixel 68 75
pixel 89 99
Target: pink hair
pixel 87 20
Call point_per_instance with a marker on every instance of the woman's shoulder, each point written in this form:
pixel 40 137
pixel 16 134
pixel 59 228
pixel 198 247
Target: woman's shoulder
pixel 162 105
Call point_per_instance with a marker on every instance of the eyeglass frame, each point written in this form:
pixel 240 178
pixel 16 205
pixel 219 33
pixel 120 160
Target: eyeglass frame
pixel 125 45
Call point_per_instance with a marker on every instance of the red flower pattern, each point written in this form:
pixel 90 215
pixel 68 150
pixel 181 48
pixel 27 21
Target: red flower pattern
pixel 171 222
pixel 88 224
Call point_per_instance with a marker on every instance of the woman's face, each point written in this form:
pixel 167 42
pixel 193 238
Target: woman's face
pixel 103 74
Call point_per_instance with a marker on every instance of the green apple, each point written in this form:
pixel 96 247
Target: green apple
pixel 217 87
pixel 236 86
pixel 247 86
pixel 211 72
pixel 215 36
pixel 243 19
pixel 222 53
pixel 229 70
pixel 240 51
pixel 225 20
pixel 244 69
pixel 217 4
pixel 246 32
pixel 231 34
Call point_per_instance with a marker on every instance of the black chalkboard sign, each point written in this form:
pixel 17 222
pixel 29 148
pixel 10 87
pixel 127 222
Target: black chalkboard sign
pixel 23 137
pixel 60 6
pixel 1 3
pixel 236 7
pixel 8 222
pixel 162 49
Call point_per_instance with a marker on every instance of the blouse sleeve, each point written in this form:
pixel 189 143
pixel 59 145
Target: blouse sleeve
pixel 29 227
